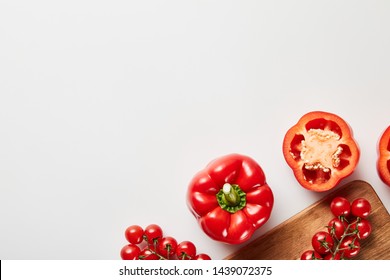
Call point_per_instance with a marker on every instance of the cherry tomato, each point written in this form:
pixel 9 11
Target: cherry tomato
pixel 186 250
pixel 130 252
pixel 322 242
pixel 350 246
pixel 166 246
pixel 310 255
pixel 361 208
pixel 152 233
pixel 147 254
pixel 362 227
pixel 340 206
pixel 201 257
pixel 134 234
pixel 336 227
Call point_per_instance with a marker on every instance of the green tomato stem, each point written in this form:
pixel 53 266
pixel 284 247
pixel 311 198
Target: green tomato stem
pixel 345 234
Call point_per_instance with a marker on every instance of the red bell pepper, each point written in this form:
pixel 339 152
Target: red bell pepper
pixel 321 150
pixel 230 198
pixel 383 163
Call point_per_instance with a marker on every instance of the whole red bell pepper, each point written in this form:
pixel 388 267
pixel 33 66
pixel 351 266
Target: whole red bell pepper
pixel 230 198
pixel 383 163
pixel 321 150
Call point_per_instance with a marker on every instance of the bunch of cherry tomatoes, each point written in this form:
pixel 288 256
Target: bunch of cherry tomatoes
pixel 150 244
pixel 345 231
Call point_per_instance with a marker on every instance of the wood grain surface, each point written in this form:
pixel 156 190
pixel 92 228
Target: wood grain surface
pixel 291 238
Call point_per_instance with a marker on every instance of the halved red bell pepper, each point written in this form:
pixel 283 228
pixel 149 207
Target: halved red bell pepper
pixel 321 150
pixel 230 198
pixel 383 163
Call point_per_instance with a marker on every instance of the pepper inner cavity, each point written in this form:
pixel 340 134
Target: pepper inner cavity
pixel 321 150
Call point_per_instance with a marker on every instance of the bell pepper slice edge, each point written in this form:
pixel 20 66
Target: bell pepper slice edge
pixel 383 162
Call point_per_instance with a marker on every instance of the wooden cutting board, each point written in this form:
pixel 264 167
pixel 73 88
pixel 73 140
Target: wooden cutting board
pixel 291 238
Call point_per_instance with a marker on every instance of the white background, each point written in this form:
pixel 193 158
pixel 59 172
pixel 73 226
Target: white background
pixel 108 269
pixel 108 108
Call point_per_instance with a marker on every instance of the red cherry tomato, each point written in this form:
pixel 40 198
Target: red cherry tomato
pixel 350 247
pixel 202 257
pixel 362 227
pixel 134 234
pixel 152 233
pixel 336 227
pixel 340 206
pixel 361 208
pixel 186 250
pixel 166 246
pixel 322 242
pixel 130 252
pixel 310 255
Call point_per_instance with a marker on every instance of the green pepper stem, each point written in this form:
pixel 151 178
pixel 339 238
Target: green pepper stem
pixel 231 198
